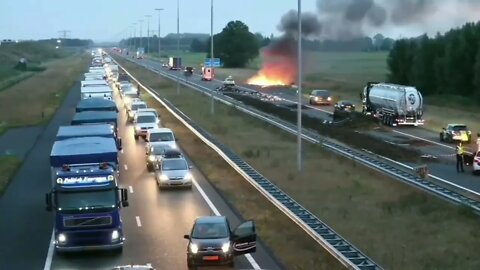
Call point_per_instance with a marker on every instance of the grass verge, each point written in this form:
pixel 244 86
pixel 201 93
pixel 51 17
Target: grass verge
pixel 398 226
pixel 33 101
pixel 8 168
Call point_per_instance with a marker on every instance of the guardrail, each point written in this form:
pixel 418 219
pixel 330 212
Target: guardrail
pixel 337 246
pixel 383 166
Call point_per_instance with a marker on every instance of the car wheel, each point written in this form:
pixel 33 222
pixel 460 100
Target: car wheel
pixel 136 137
pixel 191 266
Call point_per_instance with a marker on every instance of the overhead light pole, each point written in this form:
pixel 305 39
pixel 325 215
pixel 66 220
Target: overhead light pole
pixel 178 41
pixel 159 12
pixel 212 107
pixel 300 98
pixel 148 32
pixel 134 36
pixel 140 24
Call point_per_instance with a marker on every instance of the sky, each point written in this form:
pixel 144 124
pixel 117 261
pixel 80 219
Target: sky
pixel 111 20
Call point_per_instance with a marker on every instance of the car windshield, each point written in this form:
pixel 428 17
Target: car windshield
pixel 159 150
pixel 146 119
pixel 83 199
pixel 459 127
pixel 161 137
pixel 174 164
pixel 346 103
pixel 138 106
pixel 210 231
pixel 321 93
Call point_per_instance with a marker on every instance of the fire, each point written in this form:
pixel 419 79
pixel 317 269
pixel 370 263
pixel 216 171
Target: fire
pixel 276 70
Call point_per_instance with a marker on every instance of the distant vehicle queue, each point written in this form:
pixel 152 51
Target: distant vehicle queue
pixel 86 196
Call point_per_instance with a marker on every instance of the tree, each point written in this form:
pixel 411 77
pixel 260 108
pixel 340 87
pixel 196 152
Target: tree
pixel 198 46
pixel 235 45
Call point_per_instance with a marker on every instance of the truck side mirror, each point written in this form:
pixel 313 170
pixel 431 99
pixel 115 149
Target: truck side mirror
pixel 48 201
pixel 124 196
pixel 119 142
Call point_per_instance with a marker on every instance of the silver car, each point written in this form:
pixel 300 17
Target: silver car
pixel 173 172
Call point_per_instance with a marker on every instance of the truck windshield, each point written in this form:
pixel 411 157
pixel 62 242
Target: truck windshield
pixel 83 199
pixel 161 137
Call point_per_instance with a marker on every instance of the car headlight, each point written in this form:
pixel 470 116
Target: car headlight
pixel 115 235
pixel 163 177
pixel 315 98
pixel 193 248
pixel 226 247
pixel 469 132
pixel 62 238
pixel 188 176
pixel 329 98
pixel 137 128
pixel 174 146
pixel 151 158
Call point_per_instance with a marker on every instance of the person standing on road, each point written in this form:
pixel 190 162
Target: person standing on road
pixel 459 152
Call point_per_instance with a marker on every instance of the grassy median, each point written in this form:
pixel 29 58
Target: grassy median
pixel 398 226
pixel 34 101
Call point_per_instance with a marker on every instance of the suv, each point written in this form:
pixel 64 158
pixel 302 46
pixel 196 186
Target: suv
pixel 320 97
pixel 211 241
pixel 172 170
pixel 161 136
pixel 456 132
pixel 133 107
pixel 143 122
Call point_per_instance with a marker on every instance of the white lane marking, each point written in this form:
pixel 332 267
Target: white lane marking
pixel 125 166
pixel 139 223
pixel 423 139
pixel 48 260
pixel 214 209
pixel 130 188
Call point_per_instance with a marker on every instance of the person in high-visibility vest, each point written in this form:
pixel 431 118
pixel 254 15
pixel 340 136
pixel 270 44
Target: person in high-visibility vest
pixel 459 151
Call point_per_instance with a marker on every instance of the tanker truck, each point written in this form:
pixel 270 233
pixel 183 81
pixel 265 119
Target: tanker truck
pixel 392 104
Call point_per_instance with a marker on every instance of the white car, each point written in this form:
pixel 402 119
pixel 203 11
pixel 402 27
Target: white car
pixel 143 122
pixel 161 136
pixel 229 81
pixel 476 163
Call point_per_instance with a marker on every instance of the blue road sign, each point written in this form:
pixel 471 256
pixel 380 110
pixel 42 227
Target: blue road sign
pixel 216 62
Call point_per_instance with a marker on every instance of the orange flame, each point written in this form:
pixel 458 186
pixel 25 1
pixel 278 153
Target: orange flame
pixel 277 71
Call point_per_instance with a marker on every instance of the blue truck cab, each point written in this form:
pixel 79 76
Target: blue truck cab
pixel 95 117
pixel 96 104
pixel 85 196
pixel 99 130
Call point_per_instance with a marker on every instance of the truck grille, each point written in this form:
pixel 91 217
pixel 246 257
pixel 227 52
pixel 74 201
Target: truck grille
pixel 87 221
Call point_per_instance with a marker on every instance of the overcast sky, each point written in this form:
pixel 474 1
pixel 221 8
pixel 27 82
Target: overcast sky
pixel 103 20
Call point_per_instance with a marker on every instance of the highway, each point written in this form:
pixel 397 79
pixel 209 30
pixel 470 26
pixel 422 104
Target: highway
pixel 412 137
pixel 154 223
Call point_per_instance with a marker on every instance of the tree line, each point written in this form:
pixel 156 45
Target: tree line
pixel 446 64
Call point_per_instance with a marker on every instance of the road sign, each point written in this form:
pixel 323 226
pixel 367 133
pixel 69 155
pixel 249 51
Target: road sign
pixel 216 62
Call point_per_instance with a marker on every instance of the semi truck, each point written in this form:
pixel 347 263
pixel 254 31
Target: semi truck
pixel 175 63
pixel 96 104
pixel 85 195
pixel 98 130
pixel 392 104
pixel 95 117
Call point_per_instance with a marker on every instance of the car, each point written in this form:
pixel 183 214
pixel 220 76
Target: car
pixel 229 81
pixel 143 122
pixel 172 170
pixel 456 132
pixel 211 241
pixel 134 267
pixel 320 97
pixel 133 107
pixel 345 106
pixel 154 154
pixel 476 163
pixel 161 136
pixel 165 65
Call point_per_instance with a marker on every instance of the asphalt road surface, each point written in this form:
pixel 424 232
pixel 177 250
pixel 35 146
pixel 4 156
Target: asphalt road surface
pixel 425 141
pixel 154 223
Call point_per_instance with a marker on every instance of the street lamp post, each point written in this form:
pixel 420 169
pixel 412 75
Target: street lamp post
pixel 299 104
pixel 148 32
pixel 140 24
pixel 159 11
pixel 134 36
pixel 178 41
pixel 212 107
